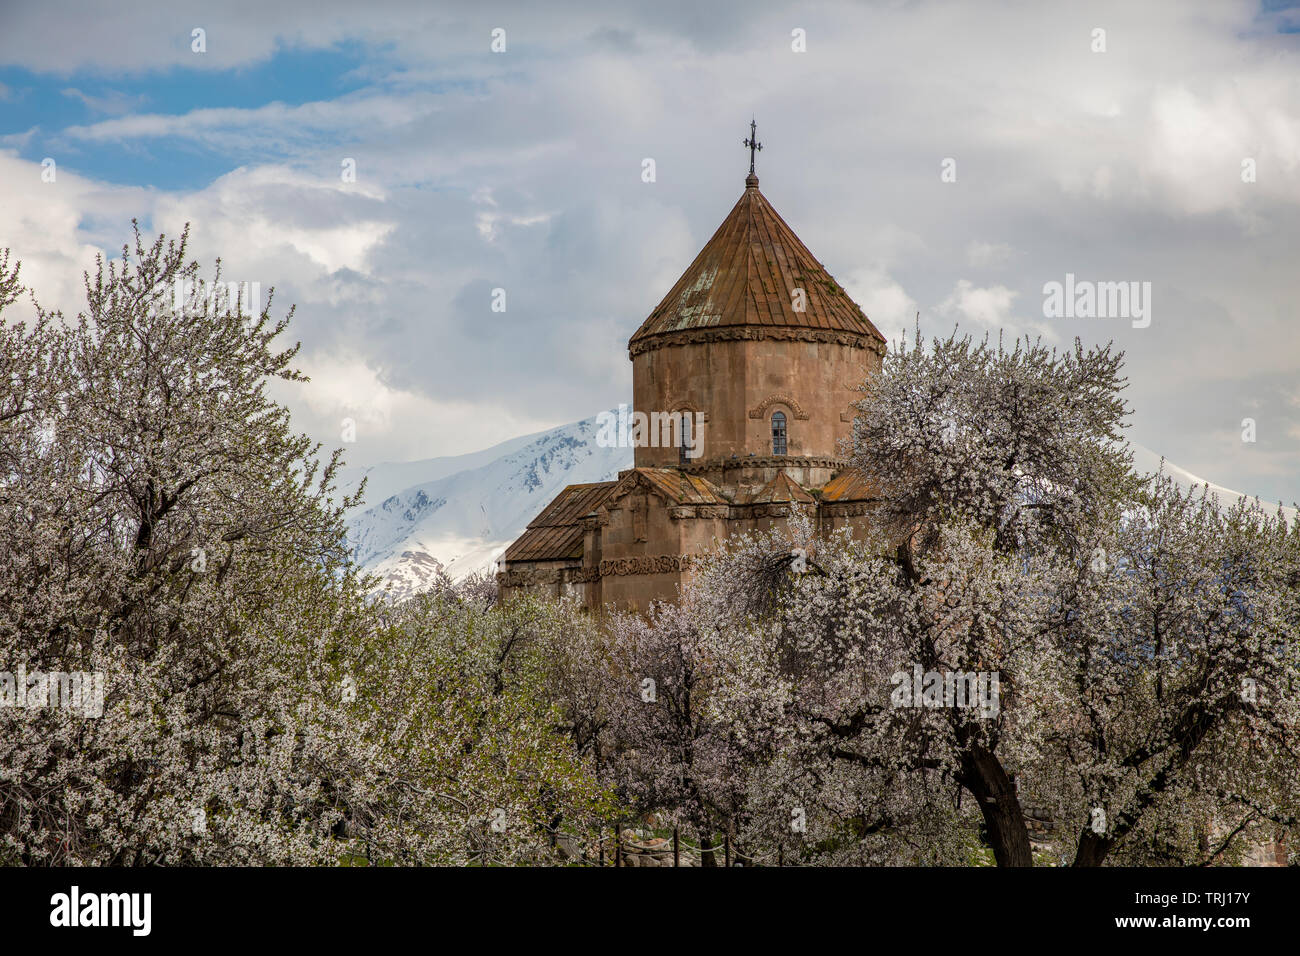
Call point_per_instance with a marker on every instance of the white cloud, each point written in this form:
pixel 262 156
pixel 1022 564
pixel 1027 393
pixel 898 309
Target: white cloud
pixel 276 225
pixel 884 300
pixel 391 424
pixel 991 307
pixel 988 255
pixel 113 102
pixel 1124 165
pixel 54 228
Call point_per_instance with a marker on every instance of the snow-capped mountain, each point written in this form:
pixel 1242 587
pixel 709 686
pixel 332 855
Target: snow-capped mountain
pixel 389 478
pixel 1145 461
pixel 459 513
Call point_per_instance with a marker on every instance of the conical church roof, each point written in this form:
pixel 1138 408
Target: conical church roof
pixel 746 276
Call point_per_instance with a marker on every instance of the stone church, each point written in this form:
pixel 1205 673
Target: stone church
pixel 760 351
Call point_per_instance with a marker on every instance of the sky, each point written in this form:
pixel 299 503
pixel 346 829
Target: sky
pixel 946 159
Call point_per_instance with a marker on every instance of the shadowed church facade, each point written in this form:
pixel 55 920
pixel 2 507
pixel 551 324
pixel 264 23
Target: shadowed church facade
pixel 760 352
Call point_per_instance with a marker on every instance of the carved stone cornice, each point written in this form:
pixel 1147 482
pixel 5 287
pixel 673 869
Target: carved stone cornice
pixel 645 564
pixel 528 577
pixel 752 333
pixel 849 509
pixel 767 461
pixel 700 511
pixel 611 567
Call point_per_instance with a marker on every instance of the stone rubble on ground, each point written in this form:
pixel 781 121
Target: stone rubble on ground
pixel 655 851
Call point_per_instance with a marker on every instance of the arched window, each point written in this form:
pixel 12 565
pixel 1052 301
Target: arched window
pixel 778 433
pixel 684 430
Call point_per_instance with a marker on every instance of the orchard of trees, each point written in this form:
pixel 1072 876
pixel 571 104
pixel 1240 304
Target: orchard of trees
pixel 162 525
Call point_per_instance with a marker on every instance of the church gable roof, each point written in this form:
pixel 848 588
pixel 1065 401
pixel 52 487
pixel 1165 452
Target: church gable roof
pixel 673 486
pixel 850 485
pixel 745 276
pixel 557 534
pixel 780 490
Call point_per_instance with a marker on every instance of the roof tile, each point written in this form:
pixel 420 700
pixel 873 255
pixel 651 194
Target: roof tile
pixel 745 275
pixel 849 485
pixel 557 534
pixel 780 490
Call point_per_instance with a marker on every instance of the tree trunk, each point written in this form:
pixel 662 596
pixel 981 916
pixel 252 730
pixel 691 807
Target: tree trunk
pixel 984 777
pixel 707 855
pixel 1092 849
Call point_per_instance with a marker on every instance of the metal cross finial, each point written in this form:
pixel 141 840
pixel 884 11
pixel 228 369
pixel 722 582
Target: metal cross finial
pixel 753 144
